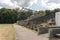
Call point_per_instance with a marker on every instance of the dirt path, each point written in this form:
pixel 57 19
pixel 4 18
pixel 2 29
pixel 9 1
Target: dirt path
pixel 26 34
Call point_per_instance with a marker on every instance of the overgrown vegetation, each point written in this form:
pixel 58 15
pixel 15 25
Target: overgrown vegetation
pixel 12 15
pixel 39 17
pixel 8 15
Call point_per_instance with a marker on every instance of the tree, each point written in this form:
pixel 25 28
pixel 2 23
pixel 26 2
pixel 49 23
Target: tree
pixel 8 15
pixel 57 10
pixel 24 15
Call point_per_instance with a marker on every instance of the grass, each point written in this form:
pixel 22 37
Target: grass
pixel 7 32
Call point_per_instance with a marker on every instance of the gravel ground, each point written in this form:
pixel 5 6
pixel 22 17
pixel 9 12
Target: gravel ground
pixel 23 33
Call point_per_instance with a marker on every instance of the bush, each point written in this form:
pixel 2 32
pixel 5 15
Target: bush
pixel 8 15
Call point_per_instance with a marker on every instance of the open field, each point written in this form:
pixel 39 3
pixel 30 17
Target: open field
pixel 7 32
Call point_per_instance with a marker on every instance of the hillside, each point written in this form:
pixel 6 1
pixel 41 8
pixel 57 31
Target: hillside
pixel 39 20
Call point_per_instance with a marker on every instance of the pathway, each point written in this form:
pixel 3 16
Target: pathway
pixel 23 33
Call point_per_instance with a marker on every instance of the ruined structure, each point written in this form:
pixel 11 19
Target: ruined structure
pixel 54 31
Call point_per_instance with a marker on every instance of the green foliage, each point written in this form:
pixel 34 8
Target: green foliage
pixel 24 15
pixel 39 13
pixel 39 17
pixel 12 15
pixel 57 10
pixel 8 15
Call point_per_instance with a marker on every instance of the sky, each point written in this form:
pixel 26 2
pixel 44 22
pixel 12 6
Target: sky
pixel 31 4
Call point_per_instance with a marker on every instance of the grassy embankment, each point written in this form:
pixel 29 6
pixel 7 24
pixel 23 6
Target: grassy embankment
pixel 7 32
